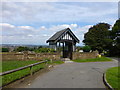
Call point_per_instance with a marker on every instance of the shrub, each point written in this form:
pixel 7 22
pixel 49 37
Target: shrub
pixel 86 48
pixel 44 50
pixel 5 50
pixel 21 48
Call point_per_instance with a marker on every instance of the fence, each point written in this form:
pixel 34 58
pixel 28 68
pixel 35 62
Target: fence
pixel 21 68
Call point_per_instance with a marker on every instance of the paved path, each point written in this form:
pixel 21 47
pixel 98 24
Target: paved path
pixel 115 58
pixel 73 75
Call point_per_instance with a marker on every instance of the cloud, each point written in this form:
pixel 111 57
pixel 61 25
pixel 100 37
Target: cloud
pixel 31 35
pixel 35 22
pixel 119 9
pixel 6 25
pixel 41 12
pixel 26 27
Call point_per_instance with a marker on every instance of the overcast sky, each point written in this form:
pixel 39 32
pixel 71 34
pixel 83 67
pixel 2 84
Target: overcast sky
pixel 35 22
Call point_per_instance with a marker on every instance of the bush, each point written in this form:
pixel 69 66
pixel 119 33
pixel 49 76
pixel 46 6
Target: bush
pixel 5 50
pixel 21 48
pixel 44 50
pixel 86 48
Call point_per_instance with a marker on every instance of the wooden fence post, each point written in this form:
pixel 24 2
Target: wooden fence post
pixel 51 60
pixel 31 70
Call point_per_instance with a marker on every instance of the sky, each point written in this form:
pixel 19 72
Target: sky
pixel 35 22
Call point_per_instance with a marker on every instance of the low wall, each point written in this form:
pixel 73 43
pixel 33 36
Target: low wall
pixel 84 55
pixel 30 56
pixel 42 56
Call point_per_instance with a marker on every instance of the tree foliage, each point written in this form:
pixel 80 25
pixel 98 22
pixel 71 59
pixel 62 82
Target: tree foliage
pixel 5 49
pixel 21 48
pixel 44 50
pixel 86 48
pixel 98 37
pixel 115 36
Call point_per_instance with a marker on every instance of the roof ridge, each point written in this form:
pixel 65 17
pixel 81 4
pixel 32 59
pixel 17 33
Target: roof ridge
pixel 59 33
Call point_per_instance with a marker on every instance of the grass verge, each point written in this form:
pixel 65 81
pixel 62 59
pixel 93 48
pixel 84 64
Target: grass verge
pixel 113 77
pixel 9 65
pixel 102 59
pixel 55 62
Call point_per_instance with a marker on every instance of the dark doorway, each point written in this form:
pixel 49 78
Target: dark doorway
pixel 67 50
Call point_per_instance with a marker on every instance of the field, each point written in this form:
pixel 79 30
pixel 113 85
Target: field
pixel 113 77
pixel 102 59
pixel 9 65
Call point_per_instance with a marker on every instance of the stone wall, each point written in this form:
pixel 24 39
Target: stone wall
pixel 30 56
pixel 84 55
pixel 42 56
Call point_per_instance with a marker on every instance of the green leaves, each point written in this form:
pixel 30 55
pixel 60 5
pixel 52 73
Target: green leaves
pixel 44 50
pixel 115 36
pixel 21 48
pixel 98 37
pixel 4 49
pixel 86 48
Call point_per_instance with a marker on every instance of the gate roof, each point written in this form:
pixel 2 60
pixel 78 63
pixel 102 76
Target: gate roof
pixel 59 34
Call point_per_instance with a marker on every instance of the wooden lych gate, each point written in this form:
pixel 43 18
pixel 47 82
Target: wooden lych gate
pixel 66 39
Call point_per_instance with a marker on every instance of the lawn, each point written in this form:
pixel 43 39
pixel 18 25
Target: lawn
pixel 113 77
pixel 101 59
pixel 9 65
pixel 55 62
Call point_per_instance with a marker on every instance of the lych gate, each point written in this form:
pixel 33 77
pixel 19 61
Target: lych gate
pixel 67 39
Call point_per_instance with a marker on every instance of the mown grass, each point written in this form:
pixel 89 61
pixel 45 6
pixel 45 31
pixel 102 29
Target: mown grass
pixel 113 77
pixel 9 65
pixel 101 59
pixel 55 62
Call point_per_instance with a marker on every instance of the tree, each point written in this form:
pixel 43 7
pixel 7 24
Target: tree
pixel 86 48
pixel 5 50
pixel 98 37
pixel 44 50
pixel 115 36
pixel 21 48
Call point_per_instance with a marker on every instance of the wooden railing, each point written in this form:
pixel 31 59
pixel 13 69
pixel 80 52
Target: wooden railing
pixel 21 68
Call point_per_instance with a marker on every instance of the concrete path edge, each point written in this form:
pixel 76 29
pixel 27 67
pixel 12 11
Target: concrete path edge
pixel 106 83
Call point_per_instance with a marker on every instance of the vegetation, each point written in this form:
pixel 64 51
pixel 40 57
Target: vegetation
pixel 102 59
pixel 86 48
pixel 113 77
pixel 21 48
pixel 115 36
pixel 4 49
pixel 9 65
pixel 55 62
pixel 40 49
pixel 98 37
pixel 44 50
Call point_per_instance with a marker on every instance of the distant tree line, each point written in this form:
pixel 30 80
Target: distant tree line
pixel 101 38
pixel 39 49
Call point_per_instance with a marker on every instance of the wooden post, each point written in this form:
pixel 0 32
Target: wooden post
pixel 31 70
pixel 51 60
pixel 59 47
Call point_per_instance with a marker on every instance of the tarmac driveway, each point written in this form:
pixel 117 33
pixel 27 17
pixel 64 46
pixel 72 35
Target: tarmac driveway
pixel 73 75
